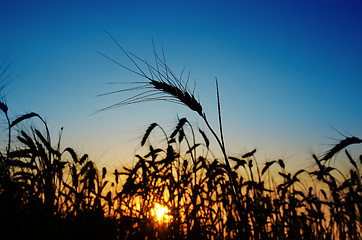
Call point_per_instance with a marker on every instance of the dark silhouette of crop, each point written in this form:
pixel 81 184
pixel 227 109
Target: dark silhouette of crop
pixel 47 191
pixel 162 84
pixel 54 193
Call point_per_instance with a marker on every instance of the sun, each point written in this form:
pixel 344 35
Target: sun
pixel 160 212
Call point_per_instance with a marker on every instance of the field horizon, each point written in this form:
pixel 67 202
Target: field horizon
pixel 176 186
pixel 181 119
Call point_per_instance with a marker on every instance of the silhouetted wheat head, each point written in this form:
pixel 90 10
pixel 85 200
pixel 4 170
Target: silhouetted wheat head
pixel 341 145
pixel 54 193
pixel 162 84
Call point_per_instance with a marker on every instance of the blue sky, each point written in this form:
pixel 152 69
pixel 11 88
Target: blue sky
pixel 289 71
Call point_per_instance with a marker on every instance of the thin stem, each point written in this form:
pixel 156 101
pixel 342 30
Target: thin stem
pixel 228 167
pixel 9 139
pixel 222 146
pixel 219 113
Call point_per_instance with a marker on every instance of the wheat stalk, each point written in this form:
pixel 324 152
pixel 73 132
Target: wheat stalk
pixel 162 84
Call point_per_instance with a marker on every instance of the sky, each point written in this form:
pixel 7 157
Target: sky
pixel 289 72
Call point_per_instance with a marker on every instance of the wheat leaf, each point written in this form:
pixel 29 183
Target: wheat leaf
pixel 23 117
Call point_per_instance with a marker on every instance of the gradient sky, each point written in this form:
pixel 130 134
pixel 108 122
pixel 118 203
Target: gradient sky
pixel 289 71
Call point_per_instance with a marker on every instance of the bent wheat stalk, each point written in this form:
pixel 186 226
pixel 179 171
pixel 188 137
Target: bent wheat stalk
pixel 162 84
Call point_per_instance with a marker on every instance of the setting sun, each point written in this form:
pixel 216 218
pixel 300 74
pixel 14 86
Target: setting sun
pixel 160 212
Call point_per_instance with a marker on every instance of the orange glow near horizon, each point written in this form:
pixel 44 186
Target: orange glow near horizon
pixel 160 213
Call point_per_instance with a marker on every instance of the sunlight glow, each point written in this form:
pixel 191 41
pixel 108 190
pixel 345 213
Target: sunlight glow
pixel 160 212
